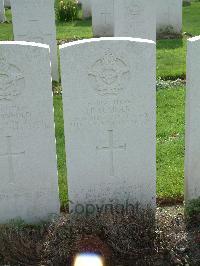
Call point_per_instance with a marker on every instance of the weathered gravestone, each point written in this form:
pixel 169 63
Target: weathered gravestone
pixel 28 175
pixel 192 154
pixel 103 18
pixel 169 16
pixel 34 21
pixel 2 11
pixel 135 18
pixel 109 115
pixel 86 8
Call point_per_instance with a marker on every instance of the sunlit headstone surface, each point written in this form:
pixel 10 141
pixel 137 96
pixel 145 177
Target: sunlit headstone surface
pixel 88 259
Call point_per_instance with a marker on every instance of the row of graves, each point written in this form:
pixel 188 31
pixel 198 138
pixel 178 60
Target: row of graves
pixel 134 18
pixel 120 18
pixel 109 105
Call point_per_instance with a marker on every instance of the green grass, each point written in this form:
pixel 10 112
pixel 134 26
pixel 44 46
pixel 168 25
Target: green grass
pixel 74 30
pixel 60 144
pixel 170 142
pixel 77 29
pixel 191 15
pixel 171 62
pixel 171 54
pixel 171 59
pixel 6 29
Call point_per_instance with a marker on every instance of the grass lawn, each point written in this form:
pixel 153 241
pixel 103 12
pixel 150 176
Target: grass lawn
pixel 171 59
pixel 60 143
pixel 77 29
pixel 171 56
pixel 170 142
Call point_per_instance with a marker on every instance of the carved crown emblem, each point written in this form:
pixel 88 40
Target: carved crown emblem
pixel 109 74
pixel 11 80
pixel 135 9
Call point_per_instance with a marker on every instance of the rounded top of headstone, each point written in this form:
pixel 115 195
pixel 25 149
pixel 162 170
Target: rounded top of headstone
pixel 138 40
pixel 25 43
pixel 194 39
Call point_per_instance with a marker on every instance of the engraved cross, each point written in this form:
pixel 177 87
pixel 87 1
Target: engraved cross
pixel 9 154
pixel 111 148
pixel 105 14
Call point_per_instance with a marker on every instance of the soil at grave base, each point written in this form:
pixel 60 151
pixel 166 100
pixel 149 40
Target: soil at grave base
pixel 168 36
pixel 169 201
pixel 178 242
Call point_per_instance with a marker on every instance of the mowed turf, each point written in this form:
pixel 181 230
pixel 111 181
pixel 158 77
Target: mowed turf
pixel 170 142
pixel 171 62
pixel 171 54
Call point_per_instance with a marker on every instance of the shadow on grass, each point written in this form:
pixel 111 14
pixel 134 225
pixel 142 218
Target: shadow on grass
pixel 169 44
pixel 84 23
pixel 76 23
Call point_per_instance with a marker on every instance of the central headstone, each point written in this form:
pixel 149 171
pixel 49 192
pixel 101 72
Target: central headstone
pixel 109 114
pixel 34 21
pixel 28 169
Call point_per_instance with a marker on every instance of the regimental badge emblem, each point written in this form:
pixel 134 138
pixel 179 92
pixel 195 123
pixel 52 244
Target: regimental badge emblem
pixel 12 81
pixel 135 10
pixel 109 74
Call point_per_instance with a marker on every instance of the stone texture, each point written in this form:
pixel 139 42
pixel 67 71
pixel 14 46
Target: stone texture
pixel 169 16
pixel 86 8
pixel 103 18
pixel 135 18
pixel 7 3
pixel 109 115
pixel 28 176
pixel 34 21
pixel 2 11
pixel 192 153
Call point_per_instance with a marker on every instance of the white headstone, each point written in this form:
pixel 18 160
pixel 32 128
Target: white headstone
pixel 103 18
pixel 28 176
pixel 86 8
pixel 192 153
pixel 109 115
pixel 169 16
pixel 2 11
pixel 135 18
pixel 34 21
